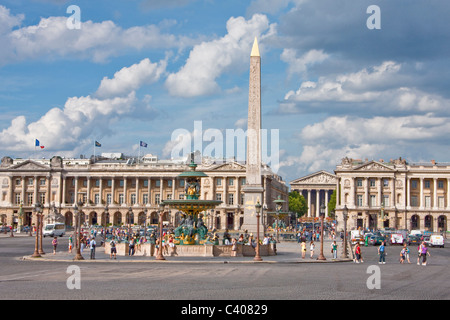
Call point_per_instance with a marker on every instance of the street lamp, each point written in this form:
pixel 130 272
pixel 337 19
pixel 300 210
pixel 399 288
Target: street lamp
pixel 37 210
pixel 145 223
pixel 258 211
pixel 278 206
pixel 322 216
pixel 76 209
pixel 160 249
pixel 344 247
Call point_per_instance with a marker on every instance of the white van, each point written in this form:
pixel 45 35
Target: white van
pixel 436 240
pixel 54 230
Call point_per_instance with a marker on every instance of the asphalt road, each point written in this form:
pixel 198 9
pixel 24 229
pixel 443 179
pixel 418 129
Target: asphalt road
pixel 219 279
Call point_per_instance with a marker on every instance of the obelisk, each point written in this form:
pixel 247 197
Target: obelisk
pixel 253 190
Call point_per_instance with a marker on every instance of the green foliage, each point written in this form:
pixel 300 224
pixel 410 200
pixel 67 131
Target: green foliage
pixel 332 204
pixel 297 204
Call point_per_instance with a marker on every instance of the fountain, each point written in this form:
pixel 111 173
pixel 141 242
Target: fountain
pixel 192 230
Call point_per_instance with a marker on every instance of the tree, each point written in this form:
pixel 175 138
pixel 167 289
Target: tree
pixel 332 204
pixel 297 204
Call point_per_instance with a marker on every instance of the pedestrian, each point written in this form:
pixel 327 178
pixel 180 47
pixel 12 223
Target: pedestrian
pixel 419 253
pixel 233 247
pixel 382 253
pixel 358 255
pixel 131 247
pixel 405 247
pixel 55 244
pixel 311 248
pixel 92 245
pixel 334 249
pixel 303 245
pixel 113 248
pixel 70 244
pixel 402 255
pixel 424 254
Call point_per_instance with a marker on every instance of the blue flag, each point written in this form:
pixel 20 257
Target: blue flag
pixel 97 144
pixel 143 144
pixel 36 144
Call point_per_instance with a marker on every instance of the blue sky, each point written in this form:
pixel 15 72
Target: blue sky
pixel 141 69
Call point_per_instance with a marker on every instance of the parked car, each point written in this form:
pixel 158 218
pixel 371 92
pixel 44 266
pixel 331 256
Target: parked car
pixel 396 238
pixel 436 240
pixel 376 239
pixel 412 239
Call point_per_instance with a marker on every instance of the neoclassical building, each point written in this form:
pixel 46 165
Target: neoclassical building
pixel 394 194
pixel 131 191
pixel 317 189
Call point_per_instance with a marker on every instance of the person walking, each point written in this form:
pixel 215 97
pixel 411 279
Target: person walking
pixel 92 245
pixel 424 254
pixel 131 247
pixel 382 253
pixel 303 246
pixel 311 248
pixel 334 247
pixel 358 254
pixel 55 244
pixel 405 247
pixel 113 248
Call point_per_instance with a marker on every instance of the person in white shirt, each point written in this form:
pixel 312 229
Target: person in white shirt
pixel 92 245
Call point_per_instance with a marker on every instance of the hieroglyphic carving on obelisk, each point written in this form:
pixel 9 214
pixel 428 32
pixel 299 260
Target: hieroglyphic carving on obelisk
pixel 253 190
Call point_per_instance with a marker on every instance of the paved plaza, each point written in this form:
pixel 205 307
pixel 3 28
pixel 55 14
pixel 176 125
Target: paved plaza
pixel 282 277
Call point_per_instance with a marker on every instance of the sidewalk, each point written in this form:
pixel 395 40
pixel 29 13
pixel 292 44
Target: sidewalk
pixel 287 252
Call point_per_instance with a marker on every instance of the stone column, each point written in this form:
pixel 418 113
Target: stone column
pixel 435 185
pixel 421 202
pixel 88 190
pixel 317 211
pixel 137 191
pixel 408 193
pixel 309 203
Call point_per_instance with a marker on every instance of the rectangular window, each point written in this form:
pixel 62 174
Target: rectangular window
pixel 157 198
pixel 218 181
pixel 30 181
pixel 109 183
pixel 145 198
pixel 133 198
pixel 441 202
pixel 121 183
pixel 169 183
pixel 42 182
pixel 359 183
pixel 97 183
pixel 413 184
pixel 242 199
pixel 108 198
pixel 181 183
pixel 169 196
pixel 97 198
pixel 386 201
pixel 231 199
pixel 427 202
pixel 18 198
pixel 218 196
pixel 158 183
pixel 427 184
pixel 359 200
pixel 440 184
pixel 18 182
pixel 385 182
pixel 181 196
pixel 414 201
pixel 121 198
pixel 373 200
pixel 42 197
pixel 231 181
pixel 372 182
pixel 243 181
pixel 146 183
pixel 30 199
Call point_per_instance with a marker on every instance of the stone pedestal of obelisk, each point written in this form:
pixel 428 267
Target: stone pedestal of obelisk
pixel 253 190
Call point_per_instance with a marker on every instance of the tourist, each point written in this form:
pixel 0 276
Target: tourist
pixel 92 245
pixel 424 254
pixel 233 247
pixel 334 249
pixel 303 245
pixel 311 248
pixel 358 254
pixel 382 253
pixel 131 247
pixel 113 248
pixel 55 244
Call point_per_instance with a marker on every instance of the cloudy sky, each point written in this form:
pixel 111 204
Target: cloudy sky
pixel 154 70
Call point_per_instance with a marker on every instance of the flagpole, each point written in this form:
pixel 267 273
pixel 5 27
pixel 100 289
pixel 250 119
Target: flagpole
pixel 139 155
pixel 94 151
